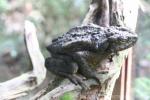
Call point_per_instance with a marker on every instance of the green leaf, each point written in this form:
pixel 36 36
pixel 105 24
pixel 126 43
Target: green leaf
pixel 67 96
pixel 141 88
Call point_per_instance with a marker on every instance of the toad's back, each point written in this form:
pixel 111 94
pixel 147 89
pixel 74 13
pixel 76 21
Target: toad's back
pixel 81 38
pixel 94 38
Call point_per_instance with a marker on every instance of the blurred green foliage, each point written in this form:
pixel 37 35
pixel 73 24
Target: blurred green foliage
pixel 60 15
pixel 3 5
pixel 141 88
pixel 7 42
pixel 141 84
pixel 143 28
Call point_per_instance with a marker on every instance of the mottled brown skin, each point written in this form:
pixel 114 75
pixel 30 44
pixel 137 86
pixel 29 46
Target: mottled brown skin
pixel 67 62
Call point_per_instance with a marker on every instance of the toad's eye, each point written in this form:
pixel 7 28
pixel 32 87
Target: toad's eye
pixel 122 40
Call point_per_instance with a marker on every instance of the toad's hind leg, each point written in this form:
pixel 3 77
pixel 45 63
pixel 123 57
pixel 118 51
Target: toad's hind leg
pixel 64 68
pixel 56 65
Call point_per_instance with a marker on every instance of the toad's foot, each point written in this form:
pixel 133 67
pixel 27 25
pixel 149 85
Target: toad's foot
pixel 78 81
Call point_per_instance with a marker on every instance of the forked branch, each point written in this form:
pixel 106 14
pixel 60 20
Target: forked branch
pixel 20 85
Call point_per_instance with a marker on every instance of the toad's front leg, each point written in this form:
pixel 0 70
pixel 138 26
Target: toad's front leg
pixel 84 68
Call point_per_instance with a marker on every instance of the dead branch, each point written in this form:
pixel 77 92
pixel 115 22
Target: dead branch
pixel 20 85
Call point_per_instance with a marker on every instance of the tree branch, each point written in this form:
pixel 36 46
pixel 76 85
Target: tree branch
pixel 20 85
